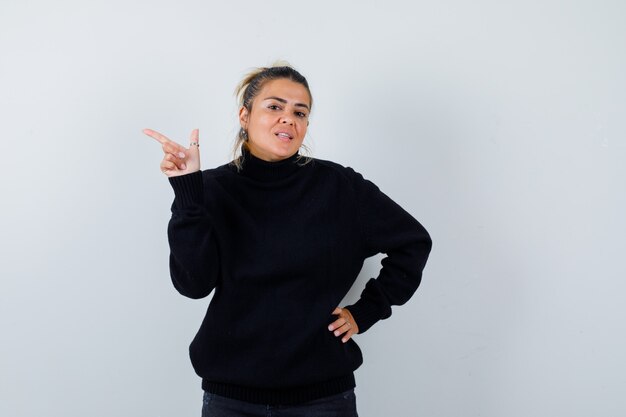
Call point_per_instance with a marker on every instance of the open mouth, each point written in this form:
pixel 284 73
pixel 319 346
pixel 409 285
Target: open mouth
pixel 284 137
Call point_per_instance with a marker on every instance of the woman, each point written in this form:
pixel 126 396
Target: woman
pixel 281 238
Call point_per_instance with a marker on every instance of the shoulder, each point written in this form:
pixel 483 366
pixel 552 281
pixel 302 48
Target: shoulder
pixel 218 172
pixel 362 186
pixel 335 168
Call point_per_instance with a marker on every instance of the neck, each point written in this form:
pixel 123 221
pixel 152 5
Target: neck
pixel 262 170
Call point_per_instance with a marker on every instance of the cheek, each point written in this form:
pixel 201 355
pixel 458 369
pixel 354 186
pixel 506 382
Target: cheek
pixel 262 126
pixel 262 119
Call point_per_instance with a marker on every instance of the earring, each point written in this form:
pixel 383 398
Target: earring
pixel 243 134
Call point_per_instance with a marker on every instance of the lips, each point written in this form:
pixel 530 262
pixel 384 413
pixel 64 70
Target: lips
pixel 284 135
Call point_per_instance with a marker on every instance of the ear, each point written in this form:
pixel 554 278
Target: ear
pixel 243 117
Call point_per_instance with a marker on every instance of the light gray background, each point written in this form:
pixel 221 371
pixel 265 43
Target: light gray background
pixel 499 125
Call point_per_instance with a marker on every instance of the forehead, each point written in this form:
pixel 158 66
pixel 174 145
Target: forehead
pixel 286 89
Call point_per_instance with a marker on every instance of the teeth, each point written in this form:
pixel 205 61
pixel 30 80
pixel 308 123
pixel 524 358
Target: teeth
pixel 283 134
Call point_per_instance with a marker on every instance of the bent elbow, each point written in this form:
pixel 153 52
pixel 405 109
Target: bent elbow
pixel 193 288
pixel 421 248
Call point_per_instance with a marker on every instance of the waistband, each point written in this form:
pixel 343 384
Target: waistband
pixel 287 395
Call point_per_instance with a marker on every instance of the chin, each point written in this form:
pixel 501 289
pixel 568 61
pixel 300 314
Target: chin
pixel 285 154
pixel 285 148
pixel 280 150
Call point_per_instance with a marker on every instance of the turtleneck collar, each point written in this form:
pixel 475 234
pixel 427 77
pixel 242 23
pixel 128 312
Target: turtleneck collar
pixel 262 170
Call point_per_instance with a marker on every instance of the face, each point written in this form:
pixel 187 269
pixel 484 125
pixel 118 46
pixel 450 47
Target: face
pixel 278 121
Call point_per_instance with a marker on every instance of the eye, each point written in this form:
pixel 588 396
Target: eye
pixel 300 114
pixel 272 106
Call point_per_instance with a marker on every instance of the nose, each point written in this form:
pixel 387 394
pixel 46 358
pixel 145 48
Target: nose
pixel 287 119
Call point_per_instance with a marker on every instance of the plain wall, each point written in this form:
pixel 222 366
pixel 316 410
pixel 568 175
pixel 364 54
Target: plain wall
pixel 499 125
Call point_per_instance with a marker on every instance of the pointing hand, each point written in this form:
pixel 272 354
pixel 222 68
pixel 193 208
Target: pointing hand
pixel 178 160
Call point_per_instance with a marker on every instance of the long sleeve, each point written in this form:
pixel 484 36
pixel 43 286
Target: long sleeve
pixel 194 265
pixel 387 228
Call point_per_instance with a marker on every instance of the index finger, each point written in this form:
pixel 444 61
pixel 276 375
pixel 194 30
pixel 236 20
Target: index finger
pixel 156 135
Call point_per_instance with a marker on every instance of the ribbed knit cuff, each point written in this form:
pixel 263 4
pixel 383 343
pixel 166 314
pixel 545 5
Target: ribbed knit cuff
pixel 365 313
pixel 188 189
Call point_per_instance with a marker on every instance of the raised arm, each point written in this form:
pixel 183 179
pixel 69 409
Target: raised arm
pixel 194 265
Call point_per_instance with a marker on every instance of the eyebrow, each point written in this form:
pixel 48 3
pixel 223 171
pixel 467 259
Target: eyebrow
pixel 282 100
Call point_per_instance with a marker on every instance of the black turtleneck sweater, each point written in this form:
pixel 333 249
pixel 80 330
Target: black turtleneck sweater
pixel 280 244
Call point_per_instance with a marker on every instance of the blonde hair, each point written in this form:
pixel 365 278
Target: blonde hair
pixel 249 87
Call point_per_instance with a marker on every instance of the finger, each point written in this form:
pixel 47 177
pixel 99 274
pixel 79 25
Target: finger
pixel 178 162
pixel 336 310
pixel 168 166
pixel 174 149
pixel 347 336
pixel 195 136
pixel 194 142
pixel 337 323
pixel 156 135
pixel 350 318
pixel 342 329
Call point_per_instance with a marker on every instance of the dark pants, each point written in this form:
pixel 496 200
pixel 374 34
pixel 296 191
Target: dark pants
pixel 337 405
